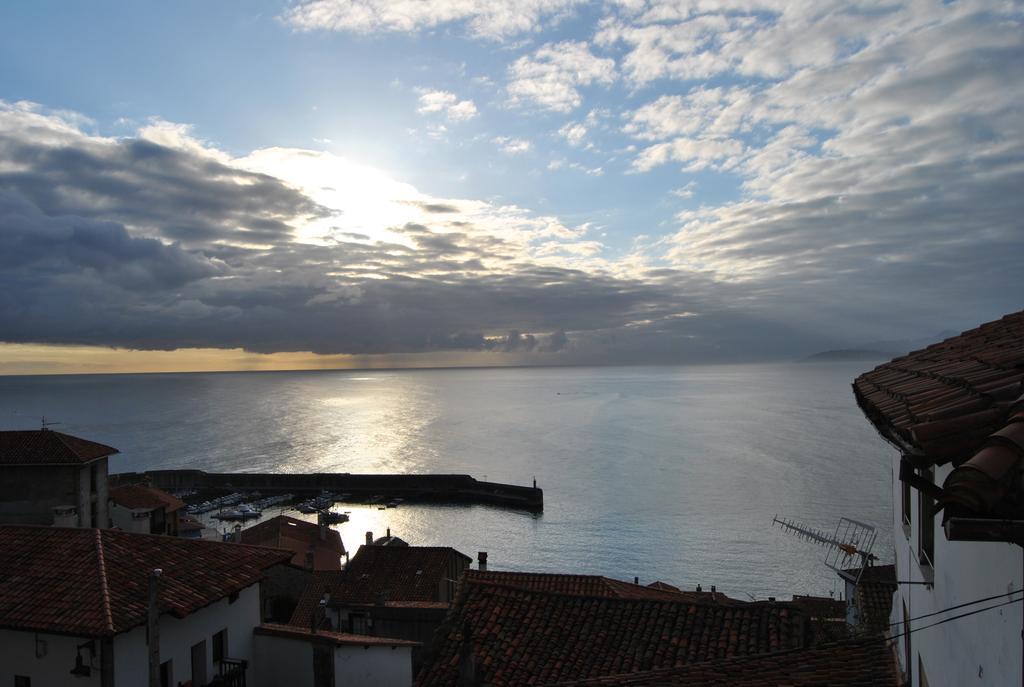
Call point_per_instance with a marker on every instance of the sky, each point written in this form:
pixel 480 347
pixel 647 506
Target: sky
pixel 347 183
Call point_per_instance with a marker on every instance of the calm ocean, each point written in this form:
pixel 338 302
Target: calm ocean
pixel 670 473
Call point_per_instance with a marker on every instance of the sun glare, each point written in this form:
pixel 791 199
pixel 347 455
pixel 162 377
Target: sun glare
pixel 364 201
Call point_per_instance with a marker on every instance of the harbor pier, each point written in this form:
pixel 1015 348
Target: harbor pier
pixel 360 487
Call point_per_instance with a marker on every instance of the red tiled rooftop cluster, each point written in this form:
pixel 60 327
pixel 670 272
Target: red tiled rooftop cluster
pixel 299 537
pixel 857 663
pixel 46 447
pixel 143 497
pixel 944 400
pixel 592 585
pixel 94 583
pixel 527 637
pixel 397 574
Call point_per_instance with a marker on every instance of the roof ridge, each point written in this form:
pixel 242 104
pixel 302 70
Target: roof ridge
pixel 683 598
pixel 108 615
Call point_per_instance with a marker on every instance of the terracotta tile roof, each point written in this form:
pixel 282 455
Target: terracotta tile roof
pixel 46 447
pixel 335 638
pixel 943 401
pixel 526 637
pixel 298 536
pixel 94 582
pixel 591 585
pixel 858 663
pixel 189 524
pixel 144 497
pixel 399 573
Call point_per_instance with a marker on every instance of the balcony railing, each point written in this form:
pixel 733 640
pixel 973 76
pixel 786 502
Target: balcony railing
pixel 230 673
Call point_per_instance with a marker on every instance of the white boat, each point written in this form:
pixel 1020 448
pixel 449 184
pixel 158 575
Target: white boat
pixel 243 512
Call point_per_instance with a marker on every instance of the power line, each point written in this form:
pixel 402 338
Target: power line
pixel 953 608
pixel 955 617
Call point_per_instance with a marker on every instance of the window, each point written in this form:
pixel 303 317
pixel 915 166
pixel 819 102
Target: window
pixel 199 663
pixel 166 674
pixel 926 524
pixel 357 623
pixel 220 645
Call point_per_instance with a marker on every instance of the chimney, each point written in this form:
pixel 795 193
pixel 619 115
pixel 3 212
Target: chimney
pixel 699 589
pixel 319 613
pixel 481 560
pixel 369 538
pixel 323 526
pixel 388 535
pixel 237 536
pixel 636 580
pixel 713 590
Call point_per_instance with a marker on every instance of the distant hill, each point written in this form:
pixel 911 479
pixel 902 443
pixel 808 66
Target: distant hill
pixel 848 355
pixel 877 350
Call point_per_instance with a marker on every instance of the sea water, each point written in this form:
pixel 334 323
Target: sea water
pixel 669 473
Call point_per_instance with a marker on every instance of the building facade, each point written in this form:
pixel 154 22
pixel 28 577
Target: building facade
pixel 53 478
pixel 955 413
pixel 144 509
pixel 74 607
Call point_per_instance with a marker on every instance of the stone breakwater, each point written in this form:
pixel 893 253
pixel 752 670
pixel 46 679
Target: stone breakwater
pixel 438 488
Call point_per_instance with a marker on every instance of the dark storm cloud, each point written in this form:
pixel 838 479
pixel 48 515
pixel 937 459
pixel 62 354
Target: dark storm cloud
pixel 436 208
pixel 176 194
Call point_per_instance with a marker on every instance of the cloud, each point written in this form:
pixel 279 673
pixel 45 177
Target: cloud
pixel 444 274
pixel 551 77
pixel 446 103
pixel 685 191
pixel 161 183
pixel 574 133
pixel 491 19
pixel 512 146
pixel 698 154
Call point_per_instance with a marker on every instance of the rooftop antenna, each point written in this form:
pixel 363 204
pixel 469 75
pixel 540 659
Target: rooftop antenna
pixel 847 548
pixel 44 424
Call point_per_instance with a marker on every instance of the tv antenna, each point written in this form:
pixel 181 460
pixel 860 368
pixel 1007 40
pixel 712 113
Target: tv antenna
pixel 848 547
pixel 44 424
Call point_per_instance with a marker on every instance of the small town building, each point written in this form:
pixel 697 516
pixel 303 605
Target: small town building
pixel 401 592
pixel 315 546
pixel 289 655
pixel 955 413
pixel 74 608
pixel 144 509
pixel 52 478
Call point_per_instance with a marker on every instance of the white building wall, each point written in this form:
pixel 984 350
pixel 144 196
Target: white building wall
pixel 283 661
pixel 982 649
pixel 84 498
pixel 376 666
pixel 131 660
pixel 129 520
pixel 48 661
pixel 102 494
pixel 289 661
